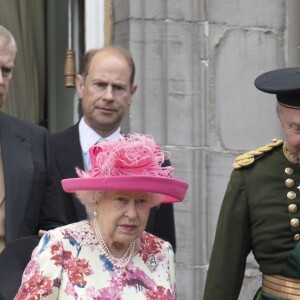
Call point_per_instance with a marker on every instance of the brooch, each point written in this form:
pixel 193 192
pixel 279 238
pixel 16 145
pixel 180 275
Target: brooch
pixel 151 262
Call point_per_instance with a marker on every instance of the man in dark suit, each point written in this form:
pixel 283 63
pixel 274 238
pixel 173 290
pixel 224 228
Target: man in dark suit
pixel 29 186
pixel 105 87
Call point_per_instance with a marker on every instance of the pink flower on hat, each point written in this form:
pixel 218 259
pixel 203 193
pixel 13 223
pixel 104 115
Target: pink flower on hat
pixel 131 163
pixel 135 154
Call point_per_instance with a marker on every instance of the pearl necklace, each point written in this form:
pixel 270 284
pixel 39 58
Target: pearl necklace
pixel 116 262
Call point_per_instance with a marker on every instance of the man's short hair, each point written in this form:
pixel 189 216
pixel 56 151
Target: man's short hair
pixel 87 58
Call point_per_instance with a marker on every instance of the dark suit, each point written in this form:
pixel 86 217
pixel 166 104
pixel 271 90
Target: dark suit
pixel 32 199
pixel 68 155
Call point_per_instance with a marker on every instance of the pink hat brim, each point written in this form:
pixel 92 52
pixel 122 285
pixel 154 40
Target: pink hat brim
pixel 173 189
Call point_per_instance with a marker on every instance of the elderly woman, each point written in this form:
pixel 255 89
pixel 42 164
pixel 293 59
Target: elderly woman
pixel 110 256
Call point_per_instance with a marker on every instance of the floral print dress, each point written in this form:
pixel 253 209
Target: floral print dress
pixel 68 263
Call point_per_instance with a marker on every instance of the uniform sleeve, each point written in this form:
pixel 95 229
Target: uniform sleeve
pixel 41 278
pixel 232 244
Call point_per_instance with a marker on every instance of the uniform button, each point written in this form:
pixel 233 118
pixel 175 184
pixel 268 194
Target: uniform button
pixel 289 183
pixel 291 195
pixel 297 237
pixel 292 208
pixel 289 171
pixel 294 222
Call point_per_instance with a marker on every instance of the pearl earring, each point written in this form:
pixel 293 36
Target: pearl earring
pixel 95 214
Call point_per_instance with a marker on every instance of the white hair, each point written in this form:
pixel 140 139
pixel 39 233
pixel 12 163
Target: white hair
pixel 7 40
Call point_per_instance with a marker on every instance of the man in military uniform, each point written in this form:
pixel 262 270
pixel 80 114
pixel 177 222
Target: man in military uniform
pixel 260 210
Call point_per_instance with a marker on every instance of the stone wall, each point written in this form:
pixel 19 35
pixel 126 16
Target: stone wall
pixel 196 64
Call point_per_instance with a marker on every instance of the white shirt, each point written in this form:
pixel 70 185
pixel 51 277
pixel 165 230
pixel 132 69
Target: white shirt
pixel 88 137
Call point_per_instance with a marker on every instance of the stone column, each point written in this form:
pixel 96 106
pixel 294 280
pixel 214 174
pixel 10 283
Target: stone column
pixel 196 63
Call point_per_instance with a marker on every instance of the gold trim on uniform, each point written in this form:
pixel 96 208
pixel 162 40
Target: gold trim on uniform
pixel 289 183
pixel 248 158
pixel 289 156
pixel 291 195
pixel 294 222
pixel 282 287
pixel 288 171
pixel 292 208
pixel 297 237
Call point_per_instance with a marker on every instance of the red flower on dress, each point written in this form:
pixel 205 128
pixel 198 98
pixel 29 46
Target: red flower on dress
pixel 75 267
pixel 160 293
pixel 37 287
pixel 150 246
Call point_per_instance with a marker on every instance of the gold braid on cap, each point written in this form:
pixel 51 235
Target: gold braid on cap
pixel 248 158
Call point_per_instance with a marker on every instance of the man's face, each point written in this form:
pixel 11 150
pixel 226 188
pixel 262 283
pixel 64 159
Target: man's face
pixel 290 122
pixel 105 93
pixel 7 58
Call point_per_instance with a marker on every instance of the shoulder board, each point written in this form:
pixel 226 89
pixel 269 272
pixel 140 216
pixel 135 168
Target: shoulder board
pixel 248 158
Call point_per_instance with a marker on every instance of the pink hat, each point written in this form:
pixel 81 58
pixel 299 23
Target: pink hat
pixel 131 163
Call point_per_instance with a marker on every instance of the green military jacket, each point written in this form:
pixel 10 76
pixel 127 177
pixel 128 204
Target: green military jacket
pixel 260 213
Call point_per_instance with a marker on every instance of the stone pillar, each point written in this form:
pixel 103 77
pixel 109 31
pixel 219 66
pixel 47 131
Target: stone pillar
pixel 196 63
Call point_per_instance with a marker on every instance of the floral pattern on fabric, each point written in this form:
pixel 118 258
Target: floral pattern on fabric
pixel 68 263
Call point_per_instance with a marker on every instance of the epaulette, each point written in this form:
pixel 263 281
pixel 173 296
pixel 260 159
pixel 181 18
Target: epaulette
pixel 248 158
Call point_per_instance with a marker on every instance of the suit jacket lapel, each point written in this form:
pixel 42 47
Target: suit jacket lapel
pixel 71 155
pixel 18 169
pixel 68 156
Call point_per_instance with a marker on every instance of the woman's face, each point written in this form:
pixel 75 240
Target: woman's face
pixel 122 216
